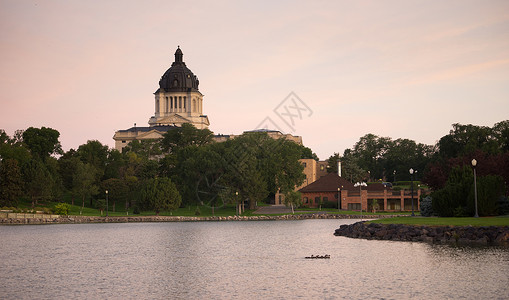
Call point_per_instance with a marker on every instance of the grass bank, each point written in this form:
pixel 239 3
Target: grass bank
pixel 436 221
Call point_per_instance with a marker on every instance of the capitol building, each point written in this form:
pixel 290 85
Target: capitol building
pixel 178 101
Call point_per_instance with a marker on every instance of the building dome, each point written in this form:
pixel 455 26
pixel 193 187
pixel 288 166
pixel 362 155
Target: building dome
pixel 178 78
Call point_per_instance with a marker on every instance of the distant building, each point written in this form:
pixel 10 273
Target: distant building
pixel 374 196
pixel 177 101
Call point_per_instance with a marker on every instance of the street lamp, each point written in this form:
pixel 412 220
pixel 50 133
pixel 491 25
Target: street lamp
pixel 237 202
pixel 474 163
pixel 412 188
pixel 106 203
pixel 360 185
pixel 339 198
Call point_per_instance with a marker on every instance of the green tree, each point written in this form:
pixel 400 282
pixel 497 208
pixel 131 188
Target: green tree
pixel 11 182
pixel 350 169
pixel 490 189
pixel 14 148
pixel 293 199
pixel 184 136
pixel 117 191
pixel 84 184
pixel 42 142
pixel 501 134
pixel 38 181
pixel 466 139
pixel 453 199
pixel 95 154
pixel 160 194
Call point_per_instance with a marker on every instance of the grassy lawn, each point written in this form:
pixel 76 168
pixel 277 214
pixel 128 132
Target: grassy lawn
pixel 435 221
pixel 350 212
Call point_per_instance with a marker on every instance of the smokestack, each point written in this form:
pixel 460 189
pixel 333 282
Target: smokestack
pixel 339 168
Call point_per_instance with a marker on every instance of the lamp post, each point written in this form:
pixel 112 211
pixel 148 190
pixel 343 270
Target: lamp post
pixel 412 189
pixel 339 199
pixel 237 202
pixel 360 185
pixel 474 163
pixel 394 177
pixel 106 203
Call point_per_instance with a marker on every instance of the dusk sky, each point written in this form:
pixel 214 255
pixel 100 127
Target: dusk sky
pixel 402 69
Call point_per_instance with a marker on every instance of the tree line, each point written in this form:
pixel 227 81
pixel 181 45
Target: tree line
pixel 185 167
pixel 445 167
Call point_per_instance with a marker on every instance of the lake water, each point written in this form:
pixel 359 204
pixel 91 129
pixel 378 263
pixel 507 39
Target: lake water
pixel 238 260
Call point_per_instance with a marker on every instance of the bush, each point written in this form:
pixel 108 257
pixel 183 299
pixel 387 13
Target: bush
pixel 136 210
pixel 503 206
pixel 426 206
pixel 489 190
pixel 62 209
pixel 330 204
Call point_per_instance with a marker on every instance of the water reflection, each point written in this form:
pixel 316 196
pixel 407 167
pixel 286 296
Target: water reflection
pixel 242 260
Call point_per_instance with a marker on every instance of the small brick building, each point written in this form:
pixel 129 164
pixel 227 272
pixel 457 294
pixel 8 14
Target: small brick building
pixel 374 196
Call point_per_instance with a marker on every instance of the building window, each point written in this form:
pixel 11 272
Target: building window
pixel 325 199
pixel 304 164
pixel 306 200
pixel 123 142
pixel 184 103
pixel 167 106
pixel 171 103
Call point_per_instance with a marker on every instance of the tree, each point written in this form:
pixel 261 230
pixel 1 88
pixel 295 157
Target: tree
pixel 144 148
pixel 117 191
pixel 84 185
pixel 11 182
pixel 501 133
pixel 466 139
pixel 14 148
pixel 453 199
pixel 95 154
pixel 184 136
pixel 293 199
pixel 42 142
pixel 160 194
pixel 349 166
pixel 370 151
pixel 38 181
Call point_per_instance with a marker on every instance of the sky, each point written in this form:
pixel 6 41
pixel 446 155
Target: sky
pixel 329 71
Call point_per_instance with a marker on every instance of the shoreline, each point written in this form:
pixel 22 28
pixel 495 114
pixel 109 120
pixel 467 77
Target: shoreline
pixel 36 219
pixel 459 235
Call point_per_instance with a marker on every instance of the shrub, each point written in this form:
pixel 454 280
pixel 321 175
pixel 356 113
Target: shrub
pixel 330 204
pixel 426 206
pixel 489 190
pixel 503 205
pixel 62 209
pixel 136 210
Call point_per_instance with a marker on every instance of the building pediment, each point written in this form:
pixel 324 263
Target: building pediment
pixel 152 134
pixel 173 119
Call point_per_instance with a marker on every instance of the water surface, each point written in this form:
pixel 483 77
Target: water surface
pixel 238 260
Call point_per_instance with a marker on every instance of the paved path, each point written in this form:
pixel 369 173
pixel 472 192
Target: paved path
pixel 273 209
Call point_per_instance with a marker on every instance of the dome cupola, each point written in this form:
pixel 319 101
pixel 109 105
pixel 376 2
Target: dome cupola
pixel 178 78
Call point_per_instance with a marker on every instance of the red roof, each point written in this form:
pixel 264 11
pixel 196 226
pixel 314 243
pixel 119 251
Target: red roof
pixel 328 183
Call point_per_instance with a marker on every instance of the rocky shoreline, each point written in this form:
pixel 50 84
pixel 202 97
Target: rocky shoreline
pixel 481 235
pixel 19 218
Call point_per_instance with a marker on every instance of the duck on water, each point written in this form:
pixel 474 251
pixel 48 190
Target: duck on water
pixel 326 256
